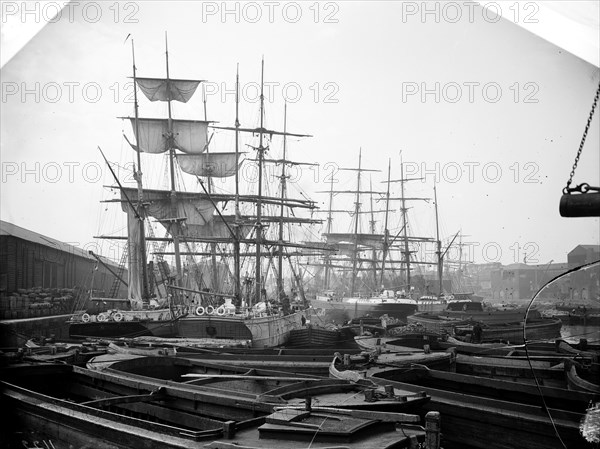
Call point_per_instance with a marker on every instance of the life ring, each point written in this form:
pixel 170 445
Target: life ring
pixel 221 310
pixel 118 316
pixel 199 310
pixel 102 317
pixel 210 310
pixel 85 317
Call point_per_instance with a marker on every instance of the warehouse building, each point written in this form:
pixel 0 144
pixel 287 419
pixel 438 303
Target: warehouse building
pixel 43 280
pixel 31 260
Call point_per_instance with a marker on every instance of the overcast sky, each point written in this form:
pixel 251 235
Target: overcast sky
pixel 490 111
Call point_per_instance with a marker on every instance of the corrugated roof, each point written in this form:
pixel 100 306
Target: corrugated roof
pixel 13 230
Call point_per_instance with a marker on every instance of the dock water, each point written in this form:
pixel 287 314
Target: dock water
pixel 16 332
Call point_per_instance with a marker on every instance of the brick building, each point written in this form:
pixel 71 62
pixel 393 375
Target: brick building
pixel 584 285
pixel 522 281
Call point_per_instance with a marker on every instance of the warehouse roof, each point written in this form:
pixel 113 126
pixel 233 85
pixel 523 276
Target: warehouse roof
pixel 10 229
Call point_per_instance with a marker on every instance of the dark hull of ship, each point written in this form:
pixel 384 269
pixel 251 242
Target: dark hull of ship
pixel 343 311
pixel 489 316
pixel 310 337
pixel 544 329
pixel 213 327
pixel 117 329
pixel 577 316
pixel 265 331
pixel 467 296
pixel 539 329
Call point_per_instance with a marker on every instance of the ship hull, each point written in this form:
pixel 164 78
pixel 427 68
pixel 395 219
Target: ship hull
pixel 431 306
pixel 490 316
pixel 541 329
pixel 114 329
pixel 264 331
pixel 546 329
pixel 349 308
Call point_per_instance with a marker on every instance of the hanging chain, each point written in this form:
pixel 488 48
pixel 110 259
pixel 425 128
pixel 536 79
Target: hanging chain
pixel 583 188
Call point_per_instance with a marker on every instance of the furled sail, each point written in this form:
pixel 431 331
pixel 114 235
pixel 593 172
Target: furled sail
pixel 134 287
pixel 160 89
pixel 217 165
pixel 218 229
pixel 195 211
pixel 347 249
pixel 370 240
pixel 189 136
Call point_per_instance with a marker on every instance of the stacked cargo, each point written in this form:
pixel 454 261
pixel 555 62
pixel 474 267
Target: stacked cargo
pixel 36 302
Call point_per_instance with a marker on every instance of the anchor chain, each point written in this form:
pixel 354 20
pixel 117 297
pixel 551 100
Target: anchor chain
pixel 585 187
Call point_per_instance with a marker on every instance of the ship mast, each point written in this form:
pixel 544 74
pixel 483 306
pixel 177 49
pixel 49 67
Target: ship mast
pixel 236 243
pixel 356 217
pixel 386 233
pixel 213 246
pixel 258 199
pixel 140 191
pixel 406 251
pixel 440 266
pixel 460 245
pixel 354 236
pixel 388 243
pixel 403 199
pixel 260 149
pixel 174 225
pixel 329 222
pixel 158 136
pixel 372 222
pixel 280 286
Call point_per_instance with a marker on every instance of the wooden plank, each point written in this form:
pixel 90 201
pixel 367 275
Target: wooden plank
pixel 158 395
pixel 495 424
pixel 366 414
pixel 241 376
pixel 112 427
pixel 183 413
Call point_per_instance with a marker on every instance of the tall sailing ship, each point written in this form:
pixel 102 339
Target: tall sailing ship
pixel 463 285
pixel 385 260
pixel 385 284
pixel 207 297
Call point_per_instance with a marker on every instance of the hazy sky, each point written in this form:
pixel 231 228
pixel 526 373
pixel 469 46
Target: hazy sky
pixel 490 111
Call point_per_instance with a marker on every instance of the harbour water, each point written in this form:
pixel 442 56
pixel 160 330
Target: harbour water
pixel 573 333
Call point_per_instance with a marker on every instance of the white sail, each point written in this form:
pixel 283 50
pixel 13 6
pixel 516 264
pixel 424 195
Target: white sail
pixel 218 229
pixel 160 89
pixel 190 210
pixel 370 240
pixel 216 165
pixel 134 272
pixel 189 136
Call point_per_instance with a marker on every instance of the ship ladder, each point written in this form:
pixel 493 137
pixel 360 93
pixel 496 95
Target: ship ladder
pixel 114 288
